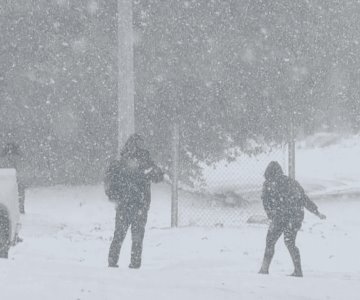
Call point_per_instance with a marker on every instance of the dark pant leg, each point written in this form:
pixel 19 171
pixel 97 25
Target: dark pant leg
pixel 137 233
pixel 122 224
pixel 274 232
pixel 290 234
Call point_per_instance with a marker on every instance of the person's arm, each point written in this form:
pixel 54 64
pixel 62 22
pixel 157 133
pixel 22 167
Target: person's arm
pixel 109 173
pixel 152 171
pixel 311 206
pixel 156 174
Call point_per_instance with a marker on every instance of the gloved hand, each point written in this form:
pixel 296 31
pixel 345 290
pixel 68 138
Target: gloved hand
pixel 321 216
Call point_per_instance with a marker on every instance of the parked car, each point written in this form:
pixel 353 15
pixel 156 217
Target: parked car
pixel 9 211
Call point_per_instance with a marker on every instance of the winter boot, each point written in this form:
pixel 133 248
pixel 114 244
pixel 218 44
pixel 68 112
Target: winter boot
pixel 269 254
pixel 135 265
pixel 136 251
pixel 295 256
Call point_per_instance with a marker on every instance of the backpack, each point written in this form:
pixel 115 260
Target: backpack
pixel 116 180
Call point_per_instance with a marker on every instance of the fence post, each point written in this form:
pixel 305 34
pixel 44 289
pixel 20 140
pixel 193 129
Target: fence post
pixel 175 174
pixel 291 150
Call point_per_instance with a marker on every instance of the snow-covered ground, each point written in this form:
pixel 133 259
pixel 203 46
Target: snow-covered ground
pixel 67 232
pixel 326 163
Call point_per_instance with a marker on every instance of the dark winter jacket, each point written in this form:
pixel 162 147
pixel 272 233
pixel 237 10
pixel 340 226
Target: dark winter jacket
pixel 127 180
pixel 283 197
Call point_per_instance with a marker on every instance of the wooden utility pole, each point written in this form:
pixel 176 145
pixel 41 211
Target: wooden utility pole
pixel 126 122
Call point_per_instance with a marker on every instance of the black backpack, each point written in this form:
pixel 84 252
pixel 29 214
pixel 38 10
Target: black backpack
pixel 116 180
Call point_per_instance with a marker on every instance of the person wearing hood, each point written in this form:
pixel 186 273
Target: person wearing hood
pixel 284 201
pixel 128 185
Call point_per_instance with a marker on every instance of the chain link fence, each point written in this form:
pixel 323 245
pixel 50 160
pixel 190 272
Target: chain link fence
pixel 232 192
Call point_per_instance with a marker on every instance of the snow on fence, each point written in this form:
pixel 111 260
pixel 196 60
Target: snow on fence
pixel 232 192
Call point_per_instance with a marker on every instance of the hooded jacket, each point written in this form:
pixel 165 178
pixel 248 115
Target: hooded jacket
pixel 127 180
pixel 283 197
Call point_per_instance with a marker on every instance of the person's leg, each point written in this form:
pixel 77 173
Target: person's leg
pixel 290 234
pixel 121 226
pixel 274 232
pixel 137 233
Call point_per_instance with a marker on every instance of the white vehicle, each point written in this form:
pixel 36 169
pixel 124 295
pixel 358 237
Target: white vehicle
pixel 9 210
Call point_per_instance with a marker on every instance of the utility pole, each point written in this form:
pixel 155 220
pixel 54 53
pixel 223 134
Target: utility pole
pixel 126 113
pixel 175 174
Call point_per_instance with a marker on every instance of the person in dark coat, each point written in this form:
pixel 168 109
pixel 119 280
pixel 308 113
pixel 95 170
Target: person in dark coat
pixel 11 158
pixel 284 201
pixel 128 185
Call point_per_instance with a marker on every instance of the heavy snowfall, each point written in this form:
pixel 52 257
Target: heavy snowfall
pixel 180 149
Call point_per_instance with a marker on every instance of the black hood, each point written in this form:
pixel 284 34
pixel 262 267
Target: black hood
pixel 132 145
pixel 273 171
